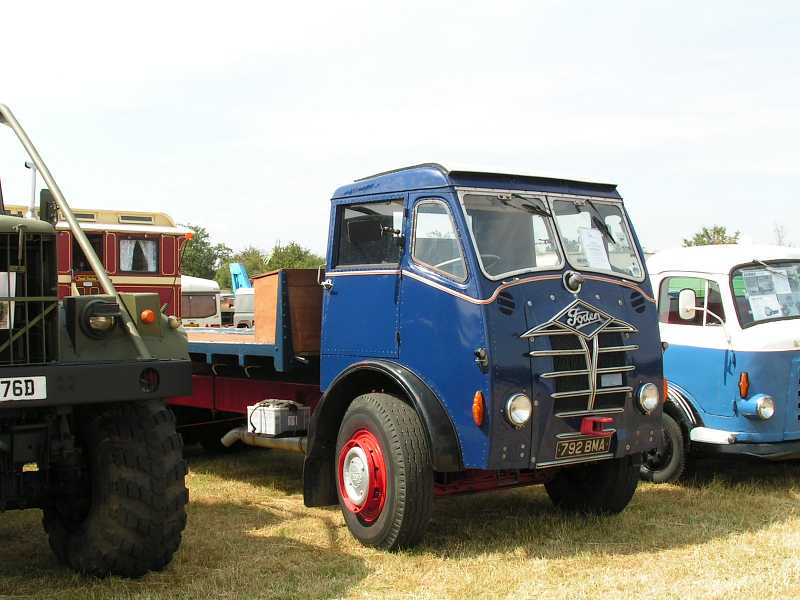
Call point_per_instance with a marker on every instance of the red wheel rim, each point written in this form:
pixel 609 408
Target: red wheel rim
pixel 362 476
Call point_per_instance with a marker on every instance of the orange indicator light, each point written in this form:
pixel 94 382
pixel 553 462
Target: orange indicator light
pixel 148 316
pixel 478 408
pixel 744 384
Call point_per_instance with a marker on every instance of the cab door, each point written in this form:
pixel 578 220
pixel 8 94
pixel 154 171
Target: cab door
pixel 699 357
pixel 361 285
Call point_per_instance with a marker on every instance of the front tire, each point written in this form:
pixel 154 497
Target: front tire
pixel 131 518
pixel 384 474
pixel 596 488
pixel 666 464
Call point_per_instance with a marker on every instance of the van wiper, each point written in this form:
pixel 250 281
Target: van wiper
pixel 531 208
pixel 771 269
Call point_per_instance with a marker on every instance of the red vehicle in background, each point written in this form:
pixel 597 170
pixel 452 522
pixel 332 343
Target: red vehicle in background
pixel 140 250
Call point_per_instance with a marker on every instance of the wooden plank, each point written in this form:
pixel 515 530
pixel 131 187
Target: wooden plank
pixel 305 310
pixel 221 336
pixel 265 306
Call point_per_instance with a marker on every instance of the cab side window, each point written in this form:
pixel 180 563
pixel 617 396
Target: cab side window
pixel 708 297
pixel 370 234
pixel 436 243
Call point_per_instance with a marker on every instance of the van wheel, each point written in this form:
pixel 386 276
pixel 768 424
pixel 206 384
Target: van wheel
pixel 130 519
pixel 384 475
pixel 666 464
pixel 604 487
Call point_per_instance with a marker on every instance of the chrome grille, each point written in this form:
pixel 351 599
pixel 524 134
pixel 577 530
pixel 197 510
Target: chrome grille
pixel 575 364
pixel 28 299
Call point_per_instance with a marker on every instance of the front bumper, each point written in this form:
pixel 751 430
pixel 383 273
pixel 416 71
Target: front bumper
pixel 715 441
pixel 770 451
pixel 91 383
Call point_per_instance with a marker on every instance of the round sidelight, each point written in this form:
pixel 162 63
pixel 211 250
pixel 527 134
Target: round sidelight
pixel 518 410
pixel 765 407
pixel 648 398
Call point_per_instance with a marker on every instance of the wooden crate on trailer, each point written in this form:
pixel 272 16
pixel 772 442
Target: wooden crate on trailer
pixel 301 299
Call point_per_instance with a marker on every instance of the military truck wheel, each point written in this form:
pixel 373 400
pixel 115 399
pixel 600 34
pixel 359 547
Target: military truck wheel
pixel 666 464
pixel 596 488
pixel 384 474
pixel 131 518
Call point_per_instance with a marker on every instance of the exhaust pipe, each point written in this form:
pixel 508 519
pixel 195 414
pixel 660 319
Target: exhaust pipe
pixel 240 434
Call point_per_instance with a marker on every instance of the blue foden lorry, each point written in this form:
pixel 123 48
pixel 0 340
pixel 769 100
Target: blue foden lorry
pixel 470 331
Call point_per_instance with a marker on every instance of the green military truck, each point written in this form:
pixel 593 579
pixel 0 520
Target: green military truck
pixel 84 433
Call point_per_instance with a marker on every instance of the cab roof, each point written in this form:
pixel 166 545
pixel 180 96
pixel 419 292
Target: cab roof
pixel 434 175
pixel 719 258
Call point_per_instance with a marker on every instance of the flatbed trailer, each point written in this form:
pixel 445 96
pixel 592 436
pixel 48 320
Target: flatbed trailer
pixel 233 369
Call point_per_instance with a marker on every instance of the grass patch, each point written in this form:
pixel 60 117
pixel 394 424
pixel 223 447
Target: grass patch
pixel 731 531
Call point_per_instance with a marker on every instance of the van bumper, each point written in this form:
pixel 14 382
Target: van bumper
pixel 715 441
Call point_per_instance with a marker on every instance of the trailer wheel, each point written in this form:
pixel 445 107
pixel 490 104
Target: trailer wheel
pixel 596 488
pixel 666 464
pixel 132 515
pixel 384 474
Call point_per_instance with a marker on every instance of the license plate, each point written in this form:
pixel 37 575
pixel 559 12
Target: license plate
pixel 583 446
pixel 23 388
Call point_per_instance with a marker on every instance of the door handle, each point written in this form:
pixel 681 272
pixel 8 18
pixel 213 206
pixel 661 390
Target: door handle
pixel 327 284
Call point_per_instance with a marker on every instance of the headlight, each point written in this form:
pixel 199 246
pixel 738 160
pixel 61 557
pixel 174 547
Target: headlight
pixel 648 397
pixel 101 323
pixel 518 410
pixel 99 317
pixel 765 407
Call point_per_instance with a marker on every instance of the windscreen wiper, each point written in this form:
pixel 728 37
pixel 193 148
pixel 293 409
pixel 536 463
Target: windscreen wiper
pixel 771 269
pixel 599 223
pixel 531 208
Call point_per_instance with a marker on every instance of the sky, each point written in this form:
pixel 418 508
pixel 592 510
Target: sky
pixel 244 117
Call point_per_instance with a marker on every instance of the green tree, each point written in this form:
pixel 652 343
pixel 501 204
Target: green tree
pixel 200 257
pixel 292 256
pixel 716 234
pixel 256 261
pixel 253 259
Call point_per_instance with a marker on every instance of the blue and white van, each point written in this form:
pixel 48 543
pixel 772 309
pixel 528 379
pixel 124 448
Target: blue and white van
pixel 730 324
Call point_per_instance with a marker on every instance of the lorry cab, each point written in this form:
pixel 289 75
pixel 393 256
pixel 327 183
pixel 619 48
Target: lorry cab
pixel 730 315
pixel 511 315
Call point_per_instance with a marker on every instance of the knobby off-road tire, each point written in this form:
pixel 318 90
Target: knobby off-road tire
pixel 604 487
pixel 391 433
pixel 667 463
pixel 132 518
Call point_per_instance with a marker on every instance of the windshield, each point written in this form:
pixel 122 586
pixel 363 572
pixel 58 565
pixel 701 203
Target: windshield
pixel 512 233
pixel 767 292
pixel 595 237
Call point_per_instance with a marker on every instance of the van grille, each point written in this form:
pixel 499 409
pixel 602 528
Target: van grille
pixel 28 299
pixel 577 366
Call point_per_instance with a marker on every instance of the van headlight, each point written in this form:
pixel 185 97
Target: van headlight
pixel 758 406
pixel 648 397
pixel 518 410
pixel 765 407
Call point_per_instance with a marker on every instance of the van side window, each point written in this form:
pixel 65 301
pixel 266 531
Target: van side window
pixel 436 242
pixel 708 296
pixel 370 234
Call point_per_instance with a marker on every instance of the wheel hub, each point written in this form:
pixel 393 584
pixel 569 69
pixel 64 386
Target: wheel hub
pixel 362 476
pixel 355 475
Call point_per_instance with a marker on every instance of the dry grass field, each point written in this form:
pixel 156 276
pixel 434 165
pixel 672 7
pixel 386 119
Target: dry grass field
pixel 734 534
